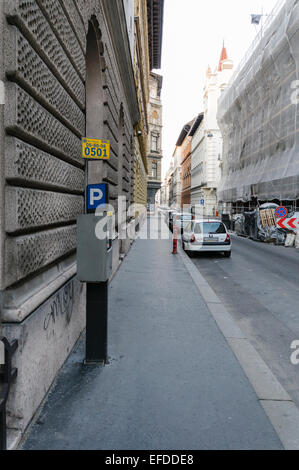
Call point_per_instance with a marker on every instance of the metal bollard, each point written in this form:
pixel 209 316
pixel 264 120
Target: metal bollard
pixel 175 240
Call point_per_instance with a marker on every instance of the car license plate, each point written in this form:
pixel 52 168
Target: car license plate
pixel 210 239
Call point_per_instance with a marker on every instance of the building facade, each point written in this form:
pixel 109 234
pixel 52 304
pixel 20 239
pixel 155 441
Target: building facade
pixel 155 138
pixel 169 185
pixel 186 171
pixel 207 141
pixel 180 155
pixel 258 117
pixel 141 72
pixel 187 162
pixel 175 192
pixel 68 72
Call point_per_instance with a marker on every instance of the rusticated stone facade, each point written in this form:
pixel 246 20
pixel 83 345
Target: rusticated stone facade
pixel 67 73
pixel 142 71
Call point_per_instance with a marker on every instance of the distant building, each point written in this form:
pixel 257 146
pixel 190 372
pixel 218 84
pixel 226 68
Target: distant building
pixel 186 170
pixel 207 140
pixel 176 178
pixel 163 197
pixel 175 169
pixel 169 184
pixel 155 138
pixel 186 162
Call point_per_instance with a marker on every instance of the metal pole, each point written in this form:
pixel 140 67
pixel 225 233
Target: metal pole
pixel 3 427
pixel 96 322
pixel 96 308
pixel 175 240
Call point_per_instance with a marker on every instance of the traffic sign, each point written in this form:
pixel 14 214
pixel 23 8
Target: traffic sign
pixel 288 223
pixel 281 212
pixel 95 149
pixel 202 202
pixel 96 195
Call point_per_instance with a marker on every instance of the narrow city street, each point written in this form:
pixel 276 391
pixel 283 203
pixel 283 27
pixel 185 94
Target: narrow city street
pixel 259 287
pixel 172 380
pixel 149 228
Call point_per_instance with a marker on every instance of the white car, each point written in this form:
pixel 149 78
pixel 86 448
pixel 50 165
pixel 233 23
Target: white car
pixel 207 235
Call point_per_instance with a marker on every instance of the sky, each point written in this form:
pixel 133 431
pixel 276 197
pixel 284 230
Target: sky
pixel 193 34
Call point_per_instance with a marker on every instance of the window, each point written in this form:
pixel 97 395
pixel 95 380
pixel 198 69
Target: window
pixel 155 138
pixel 154 170
pixel 197 229
pixel 213 227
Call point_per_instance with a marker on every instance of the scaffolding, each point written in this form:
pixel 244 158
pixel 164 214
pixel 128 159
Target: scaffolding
pixel 258 115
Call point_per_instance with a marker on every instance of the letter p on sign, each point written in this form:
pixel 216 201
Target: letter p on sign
pixel 96 196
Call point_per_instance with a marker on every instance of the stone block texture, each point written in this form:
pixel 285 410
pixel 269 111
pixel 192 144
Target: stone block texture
pixel 45 66
pixel 44 339
pixel 43 179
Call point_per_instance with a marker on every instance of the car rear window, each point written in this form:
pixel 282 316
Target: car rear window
pixel 213 227
pixel 197 228
pixel 209 227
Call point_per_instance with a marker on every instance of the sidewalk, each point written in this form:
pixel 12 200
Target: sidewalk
pixel 172 383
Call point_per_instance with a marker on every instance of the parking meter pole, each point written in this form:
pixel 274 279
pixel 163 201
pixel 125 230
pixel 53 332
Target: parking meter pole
pixel 96 296
pixel 96 322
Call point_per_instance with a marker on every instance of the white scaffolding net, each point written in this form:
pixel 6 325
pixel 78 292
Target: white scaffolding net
pixel 259 115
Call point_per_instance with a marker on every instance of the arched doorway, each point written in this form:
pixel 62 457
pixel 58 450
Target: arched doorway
pixel 94 98
pixel 122 204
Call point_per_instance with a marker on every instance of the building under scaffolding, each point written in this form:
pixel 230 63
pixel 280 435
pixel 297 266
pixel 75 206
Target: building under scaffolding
pixel 259 117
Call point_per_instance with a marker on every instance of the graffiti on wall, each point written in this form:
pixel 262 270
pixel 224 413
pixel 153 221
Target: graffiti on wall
pixel 61 306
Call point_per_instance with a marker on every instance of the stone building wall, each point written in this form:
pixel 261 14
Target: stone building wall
pixel 186 172
pixel 141 71
pixel 154 138
pixel 140 188
pixel 43 174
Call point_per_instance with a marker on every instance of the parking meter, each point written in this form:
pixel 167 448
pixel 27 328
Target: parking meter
pixel 94 248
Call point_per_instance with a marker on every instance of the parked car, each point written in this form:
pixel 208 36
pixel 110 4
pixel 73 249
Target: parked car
pixel 207 235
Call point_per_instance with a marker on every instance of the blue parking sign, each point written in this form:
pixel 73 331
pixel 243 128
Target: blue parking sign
pixel 96 195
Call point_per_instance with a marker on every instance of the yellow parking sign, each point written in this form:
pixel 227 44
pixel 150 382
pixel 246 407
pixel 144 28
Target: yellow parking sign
pixel 95 149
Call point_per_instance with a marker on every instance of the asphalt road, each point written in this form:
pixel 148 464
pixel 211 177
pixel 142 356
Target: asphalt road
pixel 259 286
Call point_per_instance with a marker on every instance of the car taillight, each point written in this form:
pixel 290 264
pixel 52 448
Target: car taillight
pixel 192 239
pixel 227 238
